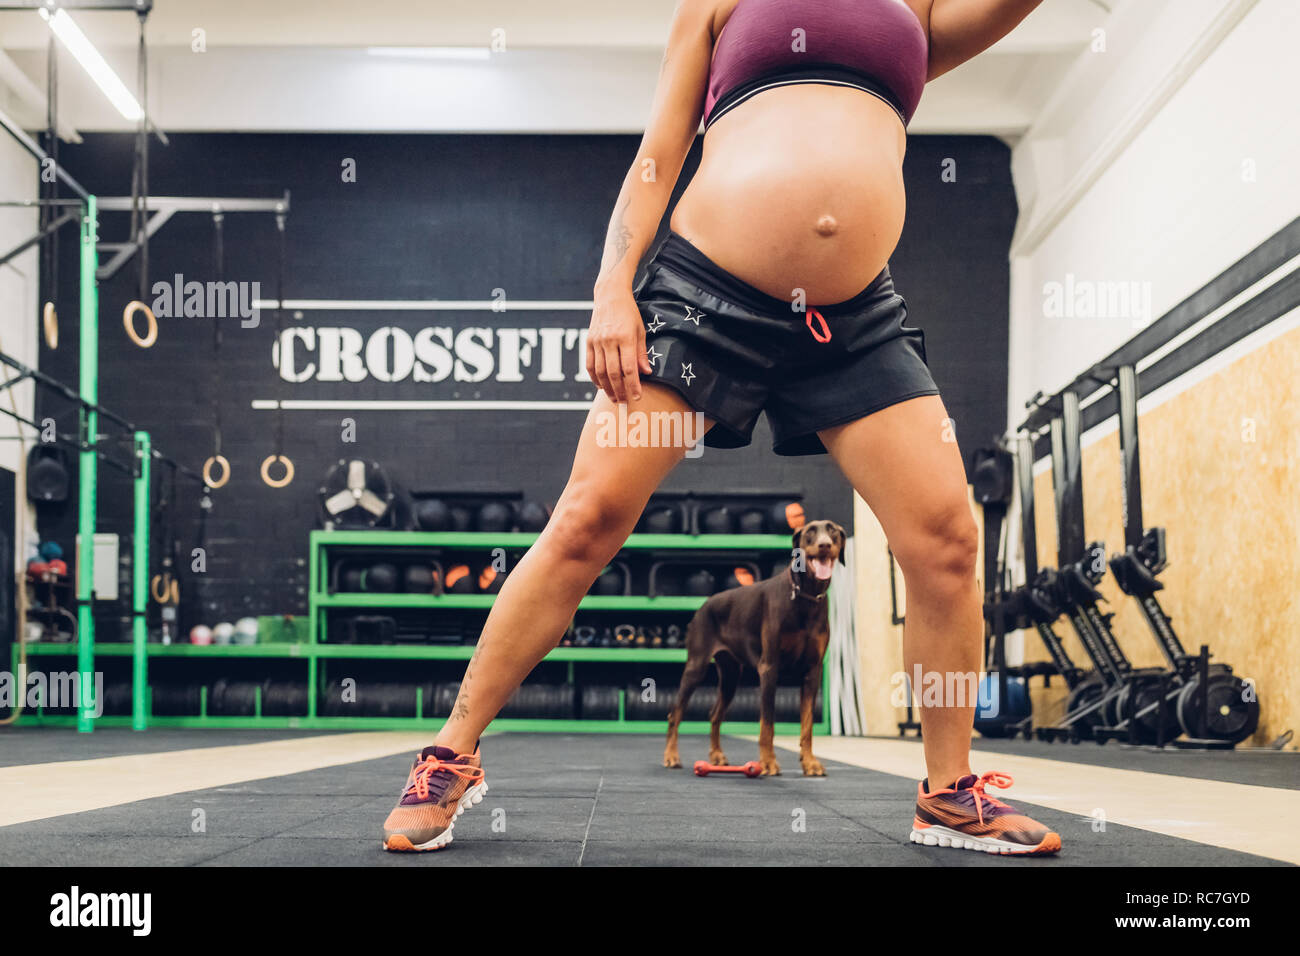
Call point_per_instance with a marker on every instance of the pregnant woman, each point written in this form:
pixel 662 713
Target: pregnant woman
pixel 771 294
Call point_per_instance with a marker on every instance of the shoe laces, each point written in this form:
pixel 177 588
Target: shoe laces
pixel 993 778
pixel 425 770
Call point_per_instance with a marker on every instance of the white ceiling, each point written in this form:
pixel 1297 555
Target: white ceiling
pixel 569 66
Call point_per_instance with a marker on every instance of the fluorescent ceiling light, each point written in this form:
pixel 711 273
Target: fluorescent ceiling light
pixel 71 36
pixel 433 52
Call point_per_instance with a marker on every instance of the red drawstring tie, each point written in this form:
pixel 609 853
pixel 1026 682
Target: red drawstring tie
pixel 824 335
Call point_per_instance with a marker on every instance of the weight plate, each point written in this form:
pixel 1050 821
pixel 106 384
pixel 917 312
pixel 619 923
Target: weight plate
pixel 1229 717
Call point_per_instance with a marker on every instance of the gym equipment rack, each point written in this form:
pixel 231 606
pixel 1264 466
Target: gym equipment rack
pixel 315 651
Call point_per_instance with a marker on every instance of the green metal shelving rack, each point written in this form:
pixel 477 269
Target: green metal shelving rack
pixel 316 649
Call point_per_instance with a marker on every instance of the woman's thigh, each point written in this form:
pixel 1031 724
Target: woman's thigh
pixel 905 463
pixel 624 454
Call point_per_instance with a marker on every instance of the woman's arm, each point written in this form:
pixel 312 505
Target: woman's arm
pixel 962 29
pixel 616 340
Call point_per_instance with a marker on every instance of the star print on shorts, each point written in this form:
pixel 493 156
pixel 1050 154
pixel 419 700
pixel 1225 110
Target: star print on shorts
pixel 653 356
pixel 692 315
pixel 655 325
pixel 687 374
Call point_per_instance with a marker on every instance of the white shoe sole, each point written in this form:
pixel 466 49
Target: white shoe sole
pixel 942 836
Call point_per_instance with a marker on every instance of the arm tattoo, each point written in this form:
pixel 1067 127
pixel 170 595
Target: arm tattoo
pixel 620 236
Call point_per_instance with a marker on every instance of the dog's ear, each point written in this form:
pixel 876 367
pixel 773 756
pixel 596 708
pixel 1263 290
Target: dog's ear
pixel 844 541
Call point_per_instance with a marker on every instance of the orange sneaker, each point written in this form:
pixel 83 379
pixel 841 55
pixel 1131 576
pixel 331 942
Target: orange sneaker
pixel 442 784
pixel 965 817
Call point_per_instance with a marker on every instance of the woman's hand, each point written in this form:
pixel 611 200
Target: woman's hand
pixel 616 356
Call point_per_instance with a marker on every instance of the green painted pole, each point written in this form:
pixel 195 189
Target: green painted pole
pixel 140 585
pixel 86 481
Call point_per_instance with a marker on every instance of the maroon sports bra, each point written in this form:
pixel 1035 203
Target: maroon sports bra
pixel 877 46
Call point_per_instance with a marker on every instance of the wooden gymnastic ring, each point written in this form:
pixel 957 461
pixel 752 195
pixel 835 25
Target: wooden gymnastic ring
pixel 220 461
pixel 128 316
pixel 266 471
pixel 50 325
pixel 170 589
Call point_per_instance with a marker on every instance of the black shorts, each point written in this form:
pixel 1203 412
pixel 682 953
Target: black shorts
pixel 732 351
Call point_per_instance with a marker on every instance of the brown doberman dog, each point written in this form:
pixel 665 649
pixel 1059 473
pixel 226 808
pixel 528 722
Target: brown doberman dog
pixel 780 622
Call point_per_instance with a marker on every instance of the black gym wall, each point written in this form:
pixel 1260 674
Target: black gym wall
pixel 452 217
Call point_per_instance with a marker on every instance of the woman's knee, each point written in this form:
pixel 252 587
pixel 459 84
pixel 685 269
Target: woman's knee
pixel 938 555
pixel 587 525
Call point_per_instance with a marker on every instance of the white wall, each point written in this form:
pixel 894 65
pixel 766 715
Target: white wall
pixel 18 291
pixel 1139 171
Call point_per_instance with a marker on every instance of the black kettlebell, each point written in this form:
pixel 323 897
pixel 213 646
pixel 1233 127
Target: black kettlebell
pixel 350 580
pixel 381 577
pixel 495 517
pixel 752 521
pixel 786 516
pixel 610 582
pixel 533 516
pixel 431 514
pixel 700 583
pixel 661 520
pixel 718 520
pixel 421 579
pixel 459 580
pixel 738 578
pixel 462 519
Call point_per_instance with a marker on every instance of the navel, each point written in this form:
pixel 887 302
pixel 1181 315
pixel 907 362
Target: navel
pixel 827 226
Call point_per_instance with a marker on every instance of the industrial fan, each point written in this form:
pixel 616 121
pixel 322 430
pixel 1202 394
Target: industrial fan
pixel 356 494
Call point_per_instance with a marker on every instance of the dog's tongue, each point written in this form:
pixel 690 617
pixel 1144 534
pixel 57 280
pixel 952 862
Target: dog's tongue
pixel 822 568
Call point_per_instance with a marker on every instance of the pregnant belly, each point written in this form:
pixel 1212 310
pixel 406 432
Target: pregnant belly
pixel 800 190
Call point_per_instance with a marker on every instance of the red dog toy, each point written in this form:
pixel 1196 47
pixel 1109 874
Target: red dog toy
pixel 703 768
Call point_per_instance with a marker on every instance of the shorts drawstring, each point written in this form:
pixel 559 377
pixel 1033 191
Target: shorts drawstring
pixel 825 335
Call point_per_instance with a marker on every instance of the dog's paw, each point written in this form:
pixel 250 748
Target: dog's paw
pixel 812 767
pixel 672 761
pixel 769 767
pixel 717 758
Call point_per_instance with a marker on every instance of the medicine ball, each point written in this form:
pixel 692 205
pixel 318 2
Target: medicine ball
pixel 533 516
pixel 431 514
pixel 47 474
pixel 700 583
pixel 490 579
pixel 752 521
pixel 610 582
pixel 787 516
pixel 458 580
pixel 223 633
pixel 738 578
pixel 461 518
pixel 421 579
pixel 495 517
pixel 718 520
pixel 662 520
pixel 200 634
pixel 993 715
pixel 351 580
pixel 381 577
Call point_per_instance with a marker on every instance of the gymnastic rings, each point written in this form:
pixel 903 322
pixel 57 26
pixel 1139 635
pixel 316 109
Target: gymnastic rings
pixel 165 589
pixel 50 324
pixel 266 471
pixel 128 320
pixel 216 461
